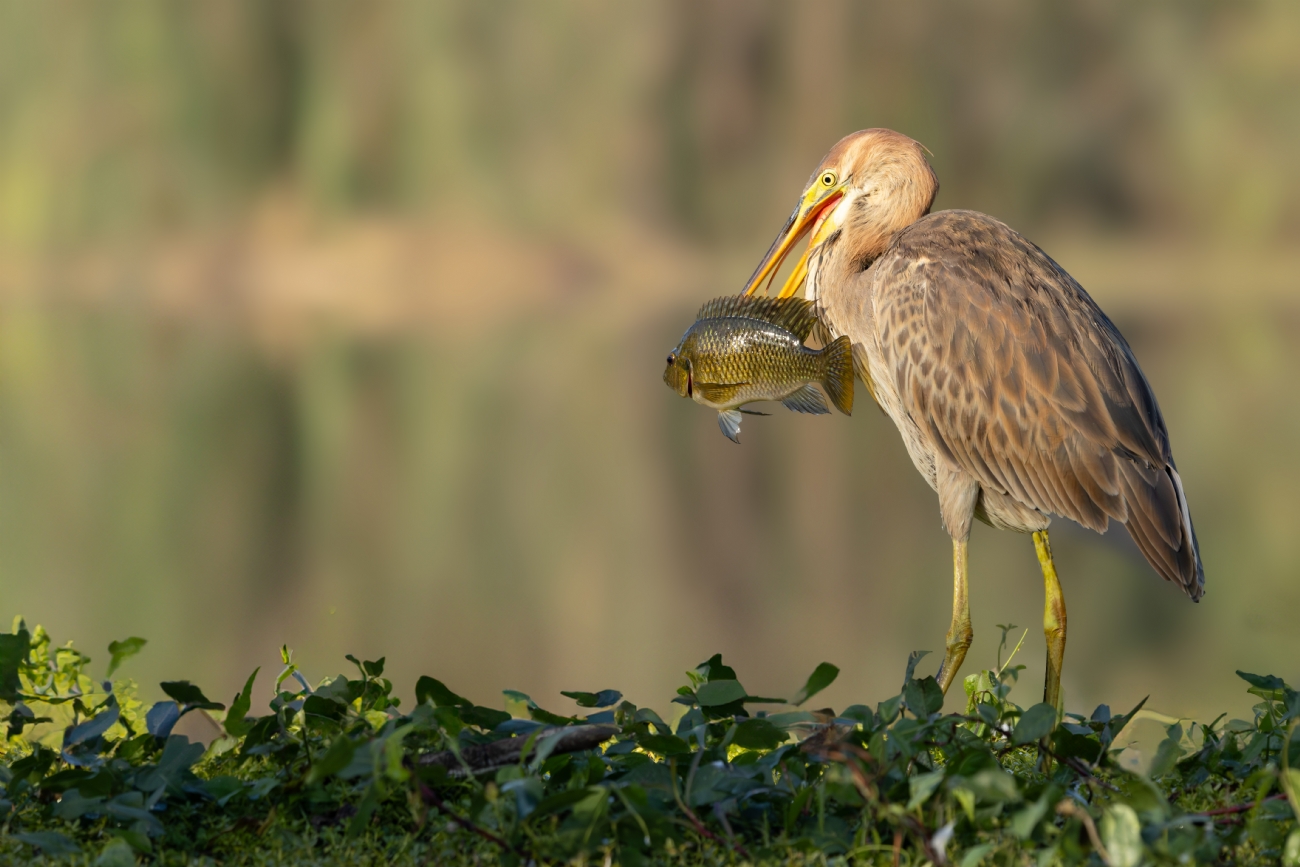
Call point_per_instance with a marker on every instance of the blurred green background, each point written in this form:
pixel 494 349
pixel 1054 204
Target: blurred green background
pixel 342 325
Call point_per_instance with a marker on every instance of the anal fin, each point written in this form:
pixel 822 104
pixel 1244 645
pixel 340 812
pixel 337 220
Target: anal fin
pixel 729 421
pixel 807 399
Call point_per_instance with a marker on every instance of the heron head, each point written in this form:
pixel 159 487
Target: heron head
pixel 871 184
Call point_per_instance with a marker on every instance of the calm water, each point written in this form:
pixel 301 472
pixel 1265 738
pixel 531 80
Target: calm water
pixel 518 502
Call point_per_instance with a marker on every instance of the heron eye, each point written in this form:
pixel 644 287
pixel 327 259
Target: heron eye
pixel 828 179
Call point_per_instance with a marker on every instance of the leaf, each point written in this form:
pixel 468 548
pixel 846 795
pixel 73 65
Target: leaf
pixel 1167 755
pixel 120 651
pixel 484 717
pixel 604 698
pixel 178 756
pixel 758 734
pixel 912 659
pixel 1026 820
pixel 432 689
pixel 1291 849
pixel 1121 833
pixel 555 803
pixel 50 842
pixel 719 692
pixel 335 759
pixel 93 728
pixel 13 653
pixel 161 717
pixel 1035 723
pixel 922 786
pixel 1265 681
pixel 326 708
pixel 664 745
pixel 974 855
pixel 1069 745
pixel 923 696
pixel 187 693
pixel 237 723
pixel 716 670
pixel 223 788
pixel 823 676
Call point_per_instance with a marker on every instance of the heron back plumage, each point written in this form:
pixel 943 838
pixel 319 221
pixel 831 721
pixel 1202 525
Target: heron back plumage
pixel 1014 375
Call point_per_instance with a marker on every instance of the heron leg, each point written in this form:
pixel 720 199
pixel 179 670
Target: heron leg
pixel 959 633
pixel 1053 622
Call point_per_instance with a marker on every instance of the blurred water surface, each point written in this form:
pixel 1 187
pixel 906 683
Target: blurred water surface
pixel 343 326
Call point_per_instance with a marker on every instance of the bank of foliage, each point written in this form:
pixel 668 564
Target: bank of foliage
pixel 332 773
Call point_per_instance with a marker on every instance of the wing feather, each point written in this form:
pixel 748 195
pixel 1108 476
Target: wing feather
pixel 1021 380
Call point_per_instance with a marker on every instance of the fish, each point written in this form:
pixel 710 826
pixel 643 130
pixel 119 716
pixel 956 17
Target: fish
pixel 745 348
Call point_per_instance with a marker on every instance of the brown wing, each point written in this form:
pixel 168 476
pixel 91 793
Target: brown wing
pixel 1022 381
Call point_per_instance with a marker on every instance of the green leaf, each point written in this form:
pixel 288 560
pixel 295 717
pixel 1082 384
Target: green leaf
pixel 922 786
pixel 719 692
pixel 1167 755
pixel 923 696
pixel 604 698
pixel 758 734
pixel 1262 681
pixel 432 689
pixel 484 717
pixel 1074 746
pixel 975 854
pixel 1035 723
pixel 335 759
pixel 93 728
pixel 50 842
pixel 13 653
pixel 187 693
pixel 237 723
pixel 713 668
pixel 912 659
pixel 137 840
pixel 1026 820
pixel 326 708
pixel 823 676
pixel 1121 834
pixel 223 788
pixel 1291 849
pixel 664 745
pixel 557 802
pixel 122 650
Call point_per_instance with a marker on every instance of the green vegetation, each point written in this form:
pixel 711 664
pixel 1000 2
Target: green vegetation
pixel 339 772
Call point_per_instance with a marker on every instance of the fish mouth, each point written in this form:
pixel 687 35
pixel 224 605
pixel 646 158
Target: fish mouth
pixel 810 215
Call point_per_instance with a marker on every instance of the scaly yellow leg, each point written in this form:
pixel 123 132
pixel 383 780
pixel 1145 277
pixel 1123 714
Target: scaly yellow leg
pixel 959 633
pixel 1053 623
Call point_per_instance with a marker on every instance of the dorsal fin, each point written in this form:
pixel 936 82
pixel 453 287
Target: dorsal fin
pixel 793 314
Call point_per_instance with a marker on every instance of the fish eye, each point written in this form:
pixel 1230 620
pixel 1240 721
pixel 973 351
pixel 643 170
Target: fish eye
pixel 672 357
pixel 828 179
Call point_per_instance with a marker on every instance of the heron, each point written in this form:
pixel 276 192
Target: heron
pixel 1016 397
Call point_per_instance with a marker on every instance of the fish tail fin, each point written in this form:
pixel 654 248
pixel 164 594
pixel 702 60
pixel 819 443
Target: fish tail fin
pixel 838 379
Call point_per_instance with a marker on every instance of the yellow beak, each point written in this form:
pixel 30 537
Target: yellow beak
pixel 811 214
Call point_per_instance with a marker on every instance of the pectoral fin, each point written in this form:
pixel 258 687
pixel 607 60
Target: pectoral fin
pixel 807 399
pixel 717 393
pixel 729 421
